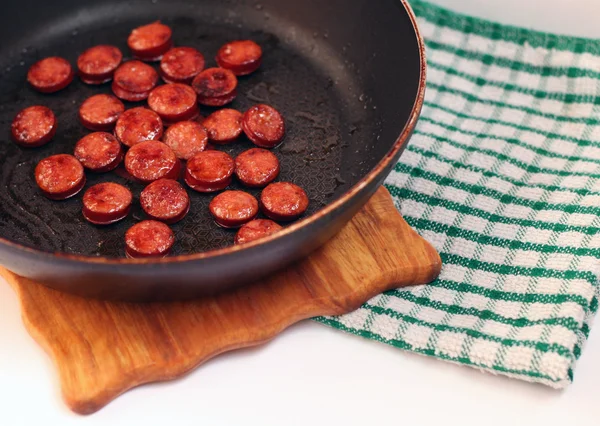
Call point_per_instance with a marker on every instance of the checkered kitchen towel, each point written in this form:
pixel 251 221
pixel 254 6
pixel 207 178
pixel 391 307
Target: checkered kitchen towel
pixel 502 175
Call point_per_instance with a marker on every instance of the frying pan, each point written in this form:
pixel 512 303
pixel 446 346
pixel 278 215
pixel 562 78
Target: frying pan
pixel 347 75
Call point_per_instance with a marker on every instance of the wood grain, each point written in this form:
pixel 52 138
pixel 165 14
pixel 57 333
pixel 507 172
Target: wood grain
pixel 102 349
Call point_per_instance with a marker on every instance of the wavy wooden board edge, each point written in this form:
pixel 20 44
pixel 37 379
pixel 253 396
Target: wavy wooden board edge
pixel 102 349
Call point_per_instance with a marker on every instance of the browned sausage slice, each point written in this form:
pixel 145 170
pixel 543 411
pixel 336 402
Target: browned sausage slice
pixel 173 102
pixel 50 75
pixel 223 126
pixel 99 152
pixel 256 167
pixel 233 208
pixel 256 229
pixel 181 65
pixel 263 125
pixel 148 238
pixel 209 171
pixel 152 160
pixel 165 200
pixel 149 42
pixel 134 80
pixel 283 201
pixel 186 139
pixel 60 176
pixel 100 112
pixel 137 125
pixel 242 57
pixel 34 126
pixel 215 86
pixel 98 64
pixel 106 203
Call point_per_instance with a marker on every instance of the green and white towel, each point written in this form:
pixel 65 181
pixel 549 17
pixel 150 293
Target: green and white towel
pixel 502 175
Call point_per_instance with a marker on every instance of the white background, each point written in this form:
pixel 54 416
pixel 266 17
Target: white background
pixel 312 375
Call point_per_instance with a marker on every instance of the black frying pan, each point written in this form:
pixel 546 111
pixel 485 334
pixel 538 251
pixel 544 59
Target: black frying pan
pixel 348 76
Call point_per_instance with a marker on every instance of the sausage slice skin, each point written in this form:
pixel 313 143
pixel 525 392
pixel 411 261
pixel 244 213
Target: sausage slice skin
pixel 149 42
pixel 34 126
pixel 242 57
pixel 100 112
pixel 209 171
pixel 215 86
pixel 256 229
pixel 137 125
pixel 148 238
pixel 97 64
pixel 59 176
pixel 256 167
pixel 223 126
pixel 165 200
pixel 106 203
pixel 231 209
pixel 283 201
pixel 173 102
pixel 152 160
pixel 181 65
pixel 263 125
pixel 99 152
pixel 50 74
pixel 186 139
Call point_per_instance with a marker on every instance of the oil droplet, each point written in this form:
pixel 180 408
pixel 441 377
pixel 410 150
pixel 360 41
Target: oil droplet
pixel 374 107
pixel 24 50
pixel 22 63
pixel 258 6
pixel 361 97
pixel 326 34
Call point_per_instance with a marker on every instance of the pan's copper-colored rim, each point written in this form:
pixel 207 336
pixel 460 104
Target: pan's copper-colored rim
pixel 372 175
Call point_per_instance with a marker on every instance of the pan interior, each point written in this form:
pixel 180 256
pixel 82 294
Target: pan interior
pixel 332 70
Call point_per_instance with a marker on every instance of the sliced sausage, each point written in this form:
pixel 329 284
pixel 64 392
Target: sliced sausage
pixel 152 160
pixel 149 42
pixel 215 86
pixel 165 200
pixel 233 208
pixel 34 126
pixel 137 125
pixel 186 139
pixel 223 126
pixel 263 125
pixel 283 201
pixel 98 64
pixel 242 57
pixel 181 65
pixel 50 74
pixel 148 238
pixel 256 167
pixel 60 176
pixel 106 203
pixel 99 152
pixel 134 80
pixel 256 229
pixel 209 171
pixel 173 102
pixel 100 112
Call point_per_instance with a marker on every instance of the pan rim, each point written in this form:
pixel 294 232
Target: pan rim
pixel 398 145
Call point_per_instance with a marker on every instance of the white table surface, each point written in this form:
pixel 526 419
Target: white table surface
pixel 312 375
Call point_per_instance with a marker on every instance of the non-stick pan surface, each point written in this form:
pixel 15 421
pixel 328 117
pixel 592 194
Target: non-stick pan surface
pixel 347 75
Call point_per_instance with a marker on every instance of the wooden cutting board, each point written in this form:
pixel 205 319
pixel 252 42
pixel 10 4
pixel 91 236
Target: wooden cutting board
pixel 102 349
